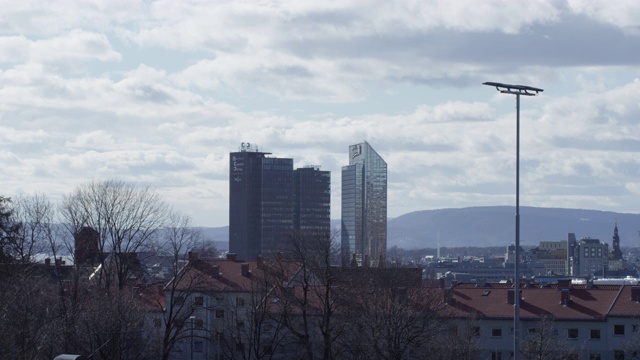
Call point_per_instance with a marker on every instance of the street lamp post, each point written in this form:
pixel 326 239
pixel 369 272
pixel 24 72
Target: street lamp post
pixel 192 318
pixel 516 90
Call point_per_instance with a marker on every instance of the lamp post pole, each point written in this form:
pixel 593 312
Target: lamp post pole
pixel 516 90
pixel 192 318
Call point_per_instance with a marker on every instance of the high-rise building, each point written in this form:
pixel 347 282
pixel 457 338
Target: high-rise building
pixel 364 206
pixel 312 199
pixel 265 206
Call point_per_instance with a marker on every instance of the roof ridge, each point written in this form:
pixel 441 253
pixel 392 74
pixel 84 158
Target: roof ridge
pixel 615 300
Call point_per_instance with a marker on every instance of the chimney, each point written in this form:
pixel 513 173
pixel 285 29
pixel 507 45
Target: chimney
pixel 354 262
pixel 565 297
pixel 590 284
pixel 635 293
pixel 215 270
pixel 59 261
pixel 245 269
pixel 366 261
pixel 231 256
pixel 442 282
pixel 47 262
pixel 193 256
pixel 564 284
pixel 511 296
pixel 448 295
pixel 259 261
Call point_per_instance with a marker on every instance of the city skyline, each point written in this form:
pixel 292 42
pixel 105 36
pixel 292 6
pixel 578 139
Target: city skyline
pixel 157 93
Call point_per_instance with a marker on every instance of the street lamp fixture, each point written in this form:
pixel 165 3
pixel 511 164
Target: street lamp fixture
pixel 516 90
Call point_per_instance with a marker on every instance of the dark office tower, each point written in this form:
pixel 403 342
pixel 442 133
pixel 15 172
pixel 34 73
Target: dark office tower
pixel 364 206
pixel 312 199
pixel 260 202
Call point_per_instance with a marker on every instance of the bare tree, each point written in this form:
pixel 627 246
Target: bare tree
pixel 36 216
pixel 253 330
pixel 178 238
pixel 542 341
pixel 308 303
pixel 125 218
pixel 456 340
pixel 391 320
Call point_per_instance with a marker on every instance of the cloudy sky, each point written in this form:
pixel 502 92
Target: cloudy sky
pixel 159 92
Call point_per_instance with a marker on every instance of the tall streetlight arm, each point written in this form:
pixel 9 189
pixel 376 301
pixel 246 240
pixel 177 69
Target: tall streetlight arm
pixel 516 90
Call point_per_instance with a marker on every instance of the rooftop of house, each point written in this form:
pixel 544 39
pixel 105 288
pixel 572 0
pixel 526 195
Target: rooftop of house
pixel 556 301
pixel 214 275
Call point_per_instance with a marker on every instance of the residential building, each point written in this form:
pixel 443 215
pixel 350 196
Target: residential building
pixel 364 205
pixel 202 298
pixel 268 200
pixel 561 320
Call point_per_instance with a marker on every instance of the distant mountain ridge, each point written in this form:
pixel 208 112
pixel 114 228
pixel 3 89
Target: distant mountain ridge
pixel 493 226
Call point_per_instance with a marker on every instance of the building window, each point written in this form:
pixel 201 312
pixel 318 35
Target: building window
pixel 219 314
pixel 572 333
pixel 618 330
pixel 634 327
pixel 532 330
pixel 198 323
pixel 179 300
pixel 199 301
pixel 595 356
pixel 239 347
pixel 618 355
pixel 239 302
pixel 198 346
pixel 595 334
pixel 573 356
pixel 157 322
pixel 496 332
pixel 496 355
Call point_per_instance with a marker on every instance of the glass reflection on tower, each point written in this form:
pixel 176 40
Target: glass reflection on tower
pixel 364 205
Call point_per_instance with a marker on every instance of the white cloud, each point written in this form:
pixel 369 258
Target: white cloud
pixel 160 92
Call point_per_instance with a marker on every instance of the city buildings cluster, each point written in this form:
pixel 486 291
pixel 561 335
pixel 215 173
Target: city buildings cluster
pixel 586 258
pixel 269 200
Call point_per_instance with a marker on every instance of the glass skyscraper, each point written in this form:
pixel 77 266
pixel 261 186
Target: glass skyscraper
pixel 364 205
pixel 268 200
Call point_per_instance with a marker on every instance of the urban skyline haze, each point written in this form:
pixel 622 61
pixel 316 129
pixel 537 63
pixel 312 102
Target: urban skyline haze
pixel 159 92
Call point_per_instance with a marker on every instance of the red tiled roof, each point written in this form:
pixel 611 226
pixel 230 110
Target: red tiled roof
pixel 152 298
pixel 586 303
pixel 215 275
pixel 625 305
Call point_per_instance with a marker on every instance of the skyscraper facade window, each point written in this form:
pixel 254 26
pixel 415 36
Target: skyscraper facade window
pixel 264 205
pixel 312 199
pixel 364 206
